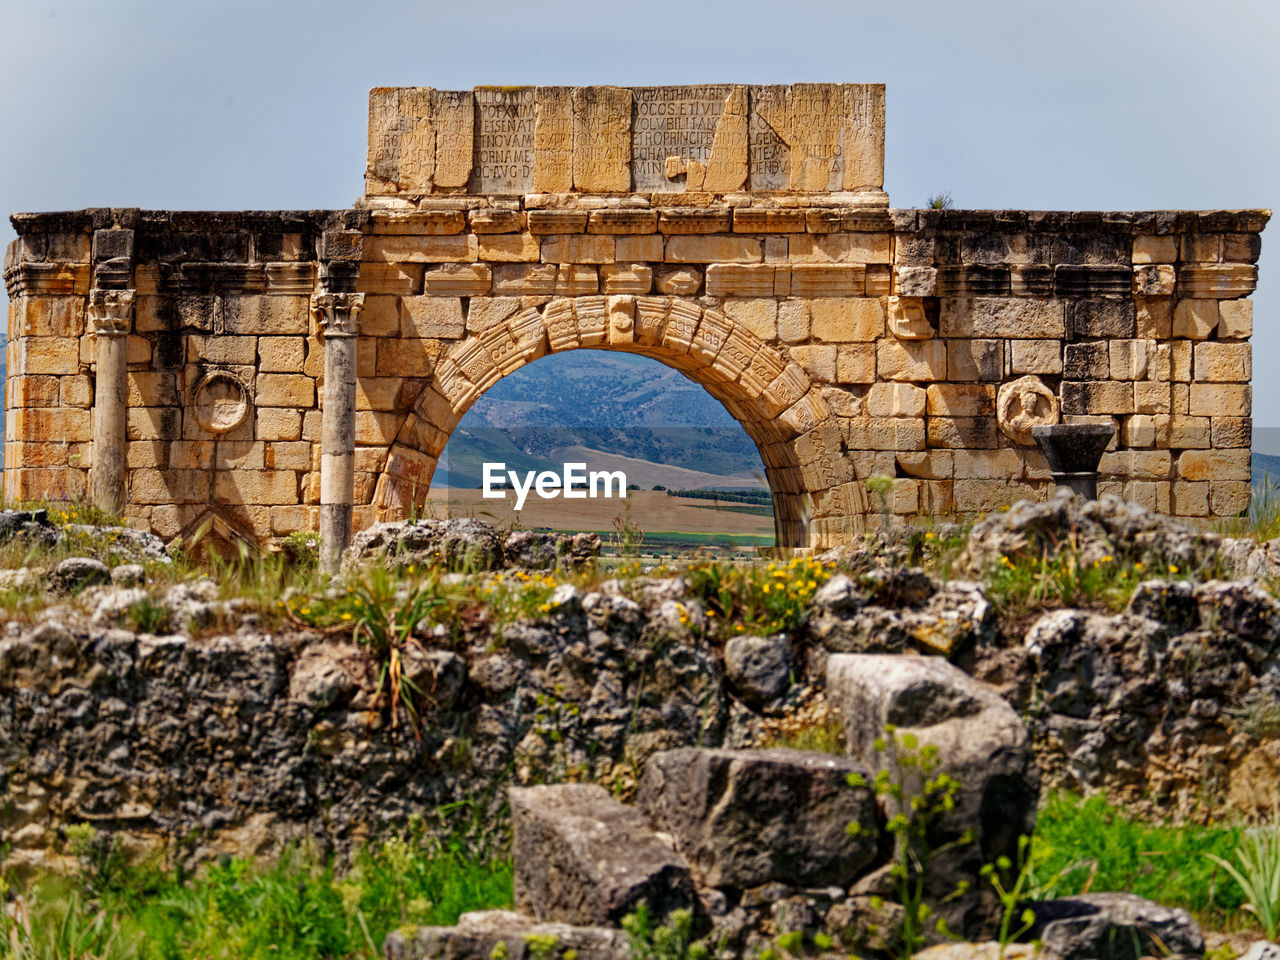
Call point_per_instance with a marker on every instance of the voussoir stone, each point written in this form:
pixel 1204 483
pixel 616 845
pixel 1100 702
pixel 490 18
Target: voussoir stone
pixel 981 742
pixel 747 817
pixel 582 857
pixel 1113 926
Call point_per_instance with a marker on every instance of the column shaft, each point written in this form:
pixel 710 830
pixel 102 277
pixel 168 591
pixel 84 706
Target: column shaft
pixel 338 313
pixel 111 313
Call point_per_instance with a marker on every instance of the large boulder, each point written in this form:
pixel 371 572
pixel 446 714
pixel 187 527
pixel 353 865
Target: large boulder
pixel 581 857
pixel 981 742
pixel 1113 926
pixel 477 936
pixel 758 668
pixel 748 817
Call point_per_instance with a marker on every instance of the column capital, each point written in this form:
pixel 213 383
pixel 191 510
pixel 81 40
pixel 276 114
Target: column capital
pixel 338 313
pixel 111 311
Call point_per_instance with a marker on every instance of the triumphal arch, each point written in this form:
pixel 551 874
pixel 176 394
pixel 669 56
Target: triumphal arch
pixel 275 371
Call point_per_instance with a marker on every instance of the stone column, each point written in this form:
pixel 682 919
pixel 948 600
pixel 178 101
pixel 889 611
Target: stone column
pixel 111 314
pixel 338 314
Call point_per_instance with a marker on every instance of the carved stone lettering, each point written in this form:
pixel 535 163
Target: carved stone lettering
pixel 505 147
pixel 601 139
pixel 453 115
pixel 673 122
pixel 553 141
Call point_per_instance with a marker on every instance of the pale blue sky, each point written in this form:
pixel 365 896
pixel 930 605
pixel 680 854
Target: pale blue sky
pixel 234 105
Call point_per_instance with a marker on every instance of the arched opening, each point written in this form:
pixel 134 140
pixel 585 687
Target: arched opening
pixel 799 444
pixel 694 476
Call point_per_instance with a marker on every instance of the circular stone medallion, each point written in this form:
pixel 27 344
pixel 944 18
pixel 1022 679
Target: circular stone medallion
pixel 221 402
pixel 1025 403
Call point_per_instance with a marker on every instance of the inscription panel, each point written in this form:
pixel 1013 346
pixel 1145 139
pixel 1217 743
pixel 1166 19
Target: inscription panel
pixel 673 124
pixel 504 141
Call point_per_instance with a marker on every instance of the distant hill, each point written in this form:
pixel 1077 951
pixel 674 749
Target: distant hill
pixel 616 403
pixel 1266 465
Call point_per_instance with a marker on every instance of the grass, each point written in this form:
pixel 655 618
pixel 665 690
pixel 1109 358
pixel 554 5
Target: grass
pixel 1087 844
pixel 301 907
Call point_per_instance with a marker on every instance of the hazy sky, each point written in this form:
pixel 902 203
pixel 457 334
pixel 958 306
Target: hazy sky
pixel 235 105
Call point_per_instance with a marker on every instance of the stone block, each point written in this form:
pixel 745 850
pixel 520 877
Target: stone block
pixel 1086 361
pixel 578 249
pixel 1231 432
pixel 281 354
pixel 981 743
pixel 1210 465
pixel 146 388
pixel 842 248
pixel 826 280
pixel 1149 249
pixel 911 359
pixel 577 280
pixel 793 321
pixel 486 312
pixel 582 857
pixel 1002 317
pixel 1195 319
pixel 896 400
pixel 278 315
pixel 488 934
pixel 1154 280
pixel 850 320
pixel 420 249
pixel 1138 431
pixel 431 317
pixel 256 486
pixel 639 249
pixel 49 355
pixel 626 278
pixel 1097 397
pixel 915 281
pixel 168 486
pixel 1235 319
pixel 1203 247
pixel 885 433
pixel 909 318
pixel 278 423
pixel 963 433
pixel 683 281
pixel 548 222
pixel 856 364
pixel 1220 400
pixel 142 423
pixel 289 455
pixel 759 315
pixel 1185 432
pixel 1035 356
pixel 927 464
pixel 1102 317
pixel 1129 359
pixel 740 280
pixel 525 280
pixel 52 316
pixel 623 221
pixel 1219 281
pixel 1190 499
pixel 1002 464
pixel 969 360
pixel 818 361
pixel 728 248
pixel 962 400
pixel 509 248
pixel 768 220
pixel 457 280
pixel 1229 498
pixel 1151 397
pixel 284 390
pixel 1155 317
pixel 376 427
pixel 748 817
pixel 1223 362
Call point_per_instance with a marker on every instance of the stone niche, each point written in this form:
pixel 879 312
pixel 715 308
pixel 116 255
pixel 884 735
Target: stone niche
pixel 713 138
pixel 736 233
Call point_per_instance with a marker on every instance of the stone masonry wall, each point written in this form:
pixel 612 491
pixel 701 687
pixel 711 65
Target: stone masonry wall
pixel 738 234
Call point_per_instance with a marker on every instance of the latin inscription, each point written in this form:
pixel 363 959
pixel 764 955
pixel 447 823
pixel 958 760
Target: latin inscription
pixel 675 122
pixel 505 121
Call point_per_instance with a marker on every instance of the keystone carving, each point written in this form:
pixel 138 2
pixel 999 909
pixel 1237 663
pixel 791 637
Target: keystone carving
pixel 111 311
pixel 338 313
pixel 1025 403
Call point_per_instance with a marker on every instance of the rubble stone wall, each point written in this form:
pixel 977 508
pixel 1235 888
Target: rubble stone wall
pixel 737 234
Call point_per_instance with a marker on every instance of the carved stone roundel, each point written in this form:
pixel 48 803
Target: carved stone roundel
pixel 1025 403
pixel 220 402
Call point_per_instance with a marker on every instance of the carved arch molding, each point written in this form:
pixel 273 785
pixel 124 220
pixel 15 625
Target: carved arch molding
pixel 806 463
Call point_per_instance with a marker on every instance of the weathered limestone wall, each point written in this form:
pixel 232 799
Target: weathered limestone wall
pixel 738 234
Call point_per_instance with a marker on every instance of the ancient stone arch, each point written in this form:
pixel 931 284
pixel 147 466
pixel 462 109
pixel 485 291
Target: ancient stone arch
pixel 270 372
pixel 770 396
